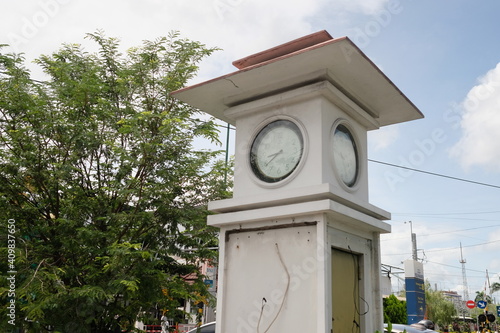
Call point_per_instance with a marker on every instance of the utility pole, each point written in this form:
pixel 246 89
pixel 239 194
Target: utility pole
pixel 413 242
pixel 414 246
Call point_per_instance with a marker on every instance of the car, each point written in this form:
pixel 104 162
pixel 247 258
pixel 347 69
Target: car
pixel 206 328
pixel 414 328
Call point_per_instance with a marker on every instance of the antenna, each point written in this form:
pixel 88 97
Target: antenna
pixel 464 275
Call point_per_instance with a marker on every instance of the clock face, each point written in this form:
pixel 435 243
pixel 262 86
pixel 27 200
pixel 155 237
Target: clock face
pixel 276 151
pixel 345 155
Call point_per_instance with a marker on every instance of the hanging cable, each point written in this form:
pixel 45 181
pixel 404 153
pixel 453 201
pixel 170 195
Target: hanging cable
pixel 356 294
pixel 435 174
pixel 284 294
pixel 264 301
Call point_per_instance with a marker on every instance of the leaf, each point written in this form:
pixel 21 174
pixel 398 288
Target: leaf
pixel 130 285
pixel 97 168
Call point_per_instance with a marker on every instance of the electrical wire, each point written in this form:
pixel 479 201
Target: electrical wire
pixel 451 266
pixel 446 248
pixel 450 218
pixel 264 301
pixel 452 213
pixel 355 292
pixel 442 232
pixel 435 174
pixel 284 294
pixel 455 248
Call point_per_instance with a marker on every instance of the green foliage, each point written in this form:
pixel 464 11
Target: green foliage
pixel 98 170
pixel 439 309
pixel 394 310
pixel 482 296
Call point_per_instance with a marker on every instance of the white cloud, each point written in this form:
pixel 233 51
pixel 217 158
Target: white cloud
pixel 493 244
pixel 383 137
pixel 240 27
pixel 480 141
pixel 368 7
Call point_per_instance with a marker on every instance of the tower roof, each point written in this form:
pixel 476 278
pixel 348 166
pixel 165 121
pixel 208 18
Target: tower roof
pixel 309 59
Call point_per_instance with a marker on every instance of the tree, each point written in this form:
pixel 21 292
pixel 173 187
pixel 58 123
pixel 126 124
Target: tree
pixel 482 296
pixel 100 178
pixel 439 309
pixel 495 286
pixel 394 310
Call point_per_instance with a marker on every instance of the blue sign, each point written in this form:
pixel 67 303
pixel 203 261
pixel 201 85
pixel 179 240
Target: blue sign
pixel 209 283
pixel 498 310
pixel 481 304
pixel 415 299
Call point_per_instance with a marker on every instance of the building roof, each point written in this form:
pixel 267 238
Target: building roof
pixel 309 59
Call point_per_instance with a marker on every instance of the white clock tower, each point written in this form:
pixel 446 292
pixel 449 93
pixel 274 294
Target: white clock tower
pixel 299 241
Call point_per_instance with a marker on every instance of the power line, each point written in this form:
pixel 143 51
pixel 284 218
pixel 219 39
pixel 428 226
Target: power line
pixel 455 248
pixel 446 218
pixel 444 232
pixel 444 248
pixel 435 174
pixel 451 266
pixel 453 213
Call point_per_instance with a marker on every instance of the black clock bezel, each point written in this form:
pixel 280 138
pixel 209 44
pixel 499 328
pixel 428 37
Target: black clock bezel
pixel 257 171
pixel 343 127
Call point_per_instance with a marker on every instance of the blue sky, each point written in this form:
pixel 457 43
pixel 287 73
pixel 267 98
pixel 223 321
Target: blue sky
pixel 444 56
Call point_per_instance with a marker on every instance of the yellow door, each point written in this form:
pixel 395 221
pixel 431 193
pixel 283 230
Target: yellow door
pixel 345 292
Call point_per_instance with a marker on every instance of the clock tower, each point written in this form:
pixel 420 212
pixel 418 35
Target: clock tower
pixel 299 240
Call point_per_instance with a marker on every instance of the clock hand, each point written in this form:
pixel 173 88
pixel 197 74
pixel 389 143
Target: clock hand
pixel 273 156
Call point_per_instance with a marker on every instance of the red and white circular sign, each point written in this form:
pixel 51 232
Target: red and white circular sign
pixel 470 304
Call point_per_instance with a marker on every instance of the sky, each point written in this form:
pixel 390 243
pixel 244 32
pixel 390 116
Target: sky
pixel 443 55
